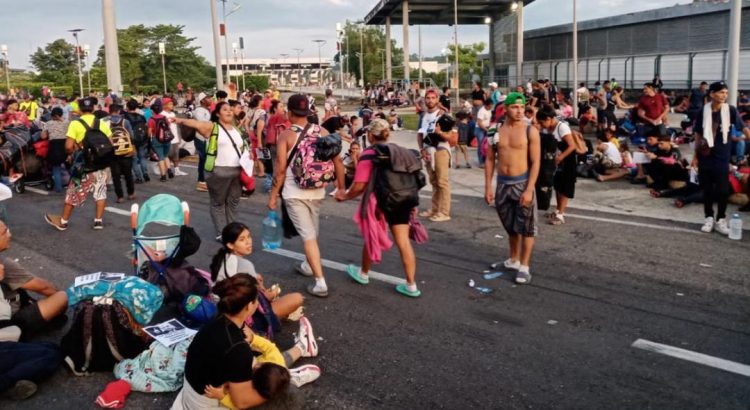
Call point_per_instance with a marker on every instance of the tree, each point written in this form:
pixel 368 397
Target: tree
pixel 467 59
pixel 56 63
pixel 373 41
pixel 140 61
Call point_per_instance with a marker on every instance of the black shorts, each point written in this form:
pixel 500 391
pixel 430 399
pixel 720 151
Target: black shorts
pixel 565 183
pixel 29 319
pixel 399 217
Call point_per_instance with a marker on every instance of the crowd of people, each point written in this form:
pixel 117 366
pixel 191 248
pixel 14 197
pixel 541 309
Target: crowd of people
pixel 528 142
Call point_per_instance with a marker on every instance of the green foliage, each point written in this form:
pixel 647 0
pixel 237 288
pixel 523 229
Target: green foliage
pixel 467 59
pixel 56 63
pixel 258 82
pixel 373 42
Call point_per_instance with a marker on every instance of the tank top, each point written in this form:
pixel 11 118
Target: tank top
pixel 291 190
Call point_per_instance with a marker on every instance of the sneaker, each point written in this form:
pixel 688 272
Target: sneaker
pixel 508 264
pixel 22 390
pixel 304 269
pixel 170 173
pixel 722 227
pixel 355 272
pixel 138 181
pixel 146 178
pixel 523 276
pixel 179 173
pixel 305 340
pixel 163 178
pixel 333 193
pixel 98 225
pixel 426 214
pixel 315 291
pixel 56 221
pixel 300 376
pixel 440 218
pixel 201 186
pixel 708 226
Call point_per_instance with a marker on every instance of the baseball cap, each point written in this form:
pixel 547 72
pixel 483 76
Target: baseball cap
pixel 492 84
pixel 166 100
pixel 717 86
pixel 513 98
pixel 201 97
pixel 377 126
pixel 299 105
pixel 87 103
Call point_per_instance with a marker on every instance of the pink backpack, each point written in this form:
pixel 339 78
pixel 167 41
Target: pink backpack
pixel 309 172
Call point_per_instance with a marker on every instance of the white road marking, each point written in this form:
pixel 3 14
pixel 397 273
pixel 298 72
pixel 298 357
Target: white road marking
pixel 182 164
pixel 337 266
pixel 700 358
pixel 117 211
pixel 639 224
pixel 37 190
pixel 425 196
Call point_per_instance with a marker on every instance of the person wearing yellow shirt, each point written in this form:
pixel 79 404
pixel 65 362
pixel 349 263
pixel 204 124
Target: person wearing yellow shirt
pixel 91 182
pixel 30 107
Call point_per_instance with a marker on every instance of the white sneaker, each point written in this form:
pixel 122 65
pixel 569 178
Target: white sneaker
pixel 304 268
pixel 179 173
pixel 333 193
pixel 300 376
pixel 722 227
pixel 507 264
pixel 306 339
pixel 708 226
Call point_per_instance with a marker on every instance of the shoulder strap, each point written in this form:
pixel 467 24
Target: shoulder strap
pixel 296 144
pixel 237 150
pixel 85 124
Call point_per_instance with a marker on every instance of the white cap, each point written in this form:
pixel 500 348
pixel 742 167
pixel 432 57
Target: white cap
pixel 201 96
pixel 493 84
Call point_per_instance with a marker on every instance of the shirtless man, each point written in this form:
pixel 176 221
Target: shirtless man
pixel 518 151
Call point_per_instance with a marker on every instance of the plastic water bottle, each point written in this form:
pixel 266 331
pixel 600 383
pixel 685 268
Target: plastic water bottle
pixel 272 231
pixel 735 227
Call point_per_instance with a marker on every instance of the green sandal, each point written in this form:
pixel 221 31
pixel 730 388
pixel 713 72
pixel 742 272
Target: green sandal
pixel 402 289
pixel 353 272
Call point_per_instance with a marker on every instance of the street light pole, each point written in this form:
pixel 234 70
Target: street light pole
pixel 419 32
pixel 4 51
pixel 733 66
pixel 340 35
pixel 456 72
pixel 162 51
pixel 78 58
pixel 242 62
pixel 234 52
pixel 299 68
pixel 226 32
pixel 217 45
pixel 321 43
pixel 361 57
pixel 575 61
pixel 86 51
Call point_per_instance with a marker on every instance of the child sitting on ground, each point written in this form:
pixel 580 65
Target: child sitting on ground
pixel 665 166
pixel 351 159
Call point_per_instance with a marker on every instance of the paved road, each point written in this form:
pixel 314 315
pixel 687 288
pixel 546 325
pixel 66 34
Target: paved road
pixel 600 284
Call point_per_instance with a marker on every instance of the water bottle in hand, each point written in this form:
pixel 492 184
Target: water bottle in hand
pixel 735 227
pixel 272 231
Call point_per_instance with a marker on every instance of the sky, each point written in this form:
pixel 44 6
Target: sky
pixel 269 28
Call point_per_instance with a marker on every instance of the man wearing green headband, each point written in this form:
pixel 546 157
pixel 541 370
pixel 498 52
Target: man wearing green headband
pixel 518 152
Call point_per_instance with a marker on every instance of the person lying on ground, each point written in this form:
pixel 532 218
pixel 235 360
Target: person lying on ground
pixel 29 315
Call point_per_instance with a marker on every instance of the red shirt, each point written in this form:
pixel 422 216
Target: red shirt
pixel 276 123
pixel 653 106
pixel 266 104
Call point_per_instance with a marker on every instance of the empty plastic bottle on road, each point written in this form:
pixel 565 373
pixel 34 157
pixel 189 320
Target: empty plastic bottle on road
pixel 735 227
pixel 272 231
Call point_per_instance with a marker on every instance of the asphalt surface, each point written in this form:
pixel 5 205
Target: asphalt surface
pixel 562 342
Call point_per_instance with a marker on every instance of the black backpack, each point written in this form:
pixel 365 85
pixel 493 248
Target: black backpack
pixel 163 133
pixel 140 128
pixel 394 190
pixel 98 151
pixel 101 335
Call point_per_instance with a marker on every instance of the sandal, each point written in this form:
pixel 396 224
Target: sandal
pixel 402 289
pixel 557 219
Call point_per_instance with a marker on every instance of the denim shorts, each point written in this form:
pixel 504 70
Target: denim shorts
pixel 161 150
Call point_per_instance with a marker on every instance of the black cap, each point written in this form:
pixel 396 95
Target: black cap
pixel 299 105
pixel 717 86
pixel 87 104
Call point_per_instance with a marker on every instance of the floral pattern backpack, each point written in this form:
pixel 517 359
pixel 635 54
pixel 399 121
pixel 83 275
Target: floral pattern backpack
pixel 310 171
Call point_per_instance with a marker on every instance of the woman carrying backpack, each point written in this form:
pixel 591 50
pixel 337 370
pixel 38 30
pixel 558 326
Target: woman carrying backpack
pixel 372 225
pixel 224 148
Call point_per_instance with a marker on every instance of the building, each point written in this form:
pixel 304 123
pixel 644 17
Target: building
pixel 285 71
pixel 684 44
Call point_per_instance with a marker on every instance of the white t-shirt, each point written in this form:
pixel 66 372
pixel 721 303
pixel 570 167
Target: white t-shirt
pixel 484 116
pixel 173 127
pixel 429 122
pixel 613 153
pixel 233 265
pixel 201 114
pixel 226 155
pixel 561 130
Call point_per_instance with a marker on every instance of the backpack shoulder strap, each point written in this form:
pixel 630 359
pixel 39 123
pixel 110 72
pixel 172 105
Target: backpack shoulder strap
pixel 301 136
pixel 85 124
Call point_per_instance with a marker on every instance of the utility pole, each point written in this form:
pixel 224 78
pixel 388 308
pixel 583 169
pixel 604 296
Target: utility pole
pixel 217 45
pixel 78 58
pixel 162 51
pixel 575 61
pixel 234 52
pixel 340 35
pixel 733 66
pixel 361 57
pixel 111 51
pixel 419 34
pixel 226 32
pixel 456 71
pixel 242 62
pixel 299 68
pixel 321 43
pixel 86 51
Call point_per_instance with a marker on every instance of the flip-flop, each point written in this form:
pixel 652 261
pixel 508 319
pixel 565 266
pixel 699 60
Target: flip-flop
pixel 402 289
pixel 353 272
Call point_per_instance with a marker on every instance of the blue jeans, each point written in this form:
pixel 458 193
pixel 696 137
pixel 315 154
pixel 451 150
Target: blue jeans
pixel 200 148
pixel 27 361
pixel 739 149
pixel 57 178
pixel 480 134
pixel 140 162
